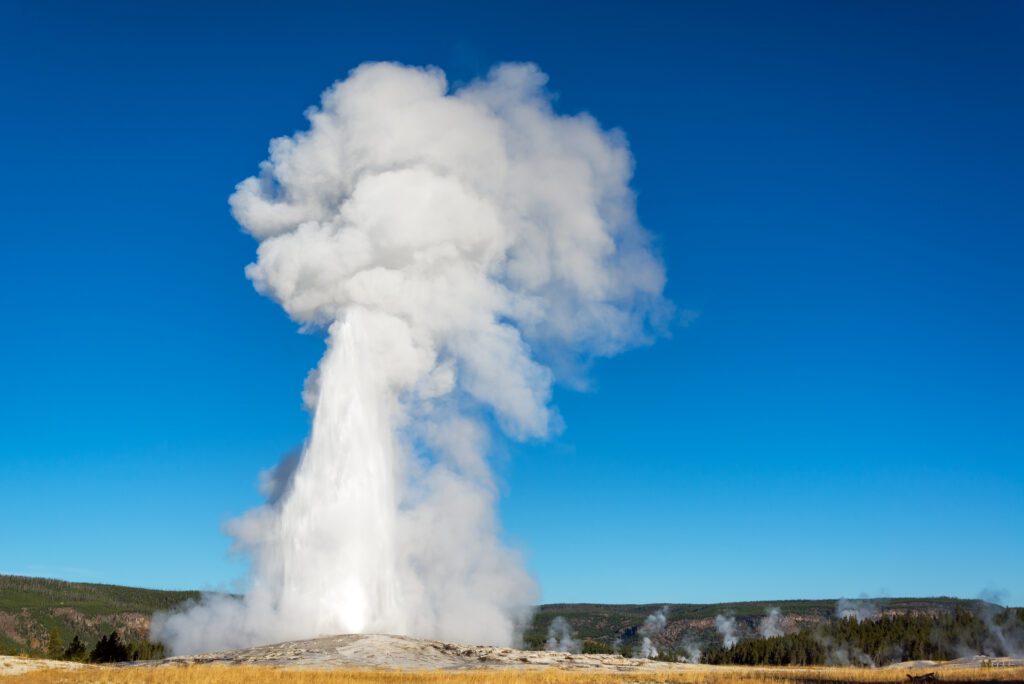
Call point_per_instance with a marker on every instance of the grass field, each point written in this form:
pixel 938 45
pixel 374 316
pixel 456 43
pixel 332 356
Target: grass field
pixel 697 675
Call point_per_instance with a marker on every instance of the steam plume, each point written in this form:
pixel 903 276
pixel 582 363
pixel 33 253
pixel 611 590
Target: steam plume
pixel 693 653
pixel 560 637
pixel 653 625
pixel 463 250
pixel 1004 629
pixel 726 626
pixel 859 609
pixel 771 624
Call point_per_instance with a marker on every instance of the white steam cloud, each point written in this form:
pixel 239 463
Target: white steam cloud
pixel 771 624
pixel 856 609
pixel 561 638
pixel 693 653
pixel 464 250
pixel 654 624
pixel 726 626
pixel 1004 629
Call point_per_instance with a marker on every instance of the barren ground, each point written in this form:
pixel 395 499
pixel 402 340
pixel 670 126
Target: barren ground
pixel 16 665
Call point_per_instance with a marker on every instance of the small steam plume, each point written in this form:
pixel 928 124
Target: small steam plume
pixel 561 638
pixel 1005 631
pixel 771 624
pixel 726 626
pixel 653 625
pixel 844 654
pixel 463 250
pixel 856 609
pixel 693 653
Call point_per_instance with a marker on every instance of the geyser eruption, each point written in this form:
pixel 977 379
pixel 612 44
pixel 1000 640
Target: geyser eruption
pixel 463 250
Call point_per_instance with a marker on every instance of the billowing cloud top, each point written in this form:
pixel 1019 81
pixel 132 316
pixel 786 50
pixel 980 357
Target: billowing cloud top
pixel 494 228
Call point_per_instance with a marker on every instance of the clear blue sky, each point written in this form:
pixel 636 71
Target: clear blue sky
pixel 837 189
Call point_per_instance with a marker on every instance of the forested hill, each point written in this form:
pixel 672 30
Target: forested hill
pixel 31 607
pixel 842 632
pixel 695 622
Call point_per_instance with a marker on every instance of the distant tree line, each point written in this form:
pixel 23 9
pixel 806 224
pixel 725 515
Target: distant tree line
pixel 985 630
pixel 109 649
pixel 882 641
pixel 595 646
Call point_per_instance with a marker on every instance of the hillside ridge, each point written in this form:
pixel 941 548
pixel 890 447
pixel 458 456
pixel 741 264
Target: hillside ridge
pixel 30 607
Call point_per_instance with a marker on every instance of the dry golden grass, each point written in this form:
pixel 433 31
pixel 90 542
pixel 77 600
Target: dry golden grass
pixel 698 675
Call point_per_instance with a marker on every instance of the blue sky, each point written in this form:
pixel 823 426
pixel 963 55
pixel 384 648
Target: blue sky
pixel 835 189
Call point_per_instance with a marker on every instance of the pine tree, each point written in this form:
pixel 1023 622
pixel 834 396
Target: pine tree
pixel 75 650
pixel 109 649
pixel 55 648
